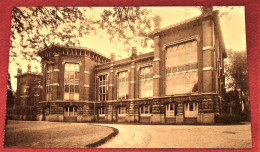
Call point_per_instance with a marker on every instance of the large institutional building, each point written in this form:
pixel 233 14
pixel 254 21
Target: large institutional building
pixel 180 82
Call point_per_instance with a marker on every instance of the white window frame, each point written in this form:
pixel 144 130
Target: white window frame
pixel 101 112
pixel 148 82
pixel 67 111
pixel 73 91
pixel 168 111
pixel 104 84
pixel 143 112
pixel 188 113
pixel 123 84
pixel 169 85
pixel 119 111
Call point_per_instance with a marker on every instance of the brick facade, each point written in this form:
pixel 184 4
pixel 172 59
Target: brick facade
pixel 102 89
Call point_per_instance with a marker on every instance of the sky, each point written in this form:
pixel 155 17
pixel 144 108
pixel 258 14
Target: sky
pixel 232 24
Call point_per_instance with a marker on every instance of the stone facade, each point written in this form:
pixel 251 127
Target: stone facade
pixel 79 84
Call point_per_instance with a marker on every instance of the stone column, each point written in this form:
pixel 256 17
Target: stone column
pixel 86 78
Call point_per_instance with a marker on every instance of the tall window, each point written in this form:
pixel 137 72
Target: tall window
pixel 181 68
pixel 71 81
pixel 49 81
pixel 146 82
pixel 103 87
pixel 191 109
pixel 122 85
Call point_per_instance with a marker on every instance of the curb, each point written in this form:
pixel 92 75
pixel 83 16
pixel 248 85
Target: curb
pixel 104 140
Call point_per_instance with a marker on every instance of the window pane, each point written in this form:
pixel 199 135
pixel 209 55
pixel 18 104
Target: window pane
pixel 66 88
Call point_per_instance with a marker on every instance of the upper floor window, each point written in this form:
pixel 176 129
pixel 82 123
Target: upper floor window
pixel 146 82
pixel 49 81
pixel 181 68
pixel 103 87
pixel 122 85
pixel 71 81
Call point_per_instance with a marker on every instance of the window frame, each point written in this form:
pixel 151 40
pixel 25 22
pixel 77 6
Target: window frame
pixel 174 74
pixel 124 84
pixel 142 110
pixel 146 78
pixel 170 113
pixel 49 81
pixel 120 109
pixel 104 85
pixel 71 85
pixel 191 113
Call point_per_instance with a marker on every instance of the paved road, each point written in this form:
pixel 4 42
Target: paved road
pixel 177 136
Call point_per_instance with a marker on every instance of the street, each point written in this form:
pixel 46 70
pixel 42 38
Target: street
pixel 180 136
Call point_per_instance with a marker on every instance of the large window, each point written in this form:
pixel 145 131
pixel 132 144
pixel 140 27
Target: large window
pixel 71 81
pixel 191 109
pixel 103 88
pixel 181 68
pixel 146 82
pixel 49 81
pixel 171 110
pixel 122 85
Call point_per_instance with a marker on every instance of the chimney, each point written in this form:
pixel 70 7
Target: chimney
pixel 29 68
pixel 207 10
pixel 134 51
pixel 112 57
pixel 157 22
pixel 19 71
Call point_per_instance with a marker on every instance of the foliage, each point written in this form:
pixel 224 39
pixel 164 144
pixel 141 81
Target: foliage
pixel 34 28
pixel 237 73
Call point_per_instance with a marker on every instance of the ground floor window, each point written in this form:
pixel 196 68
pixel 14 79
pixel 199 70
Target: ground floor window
pixel 171 110
pixel 145 110
pixel 101 111
pixel 191 109
pixel 70 111
pixel 121 111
